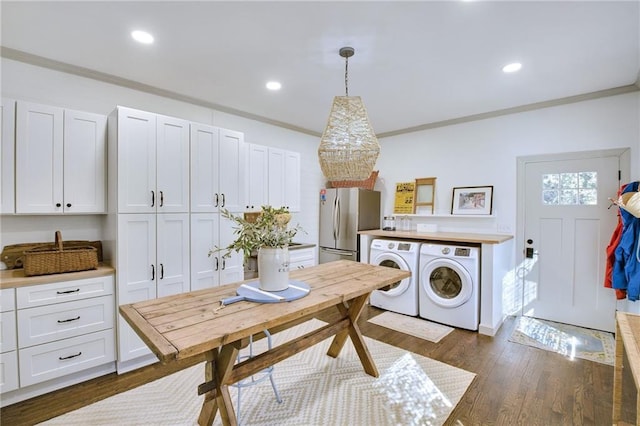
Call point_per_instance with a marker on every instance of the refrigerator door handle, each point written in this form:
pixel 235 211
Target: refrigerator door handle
pixel 335 219
pixel 338 219
pixel 338 252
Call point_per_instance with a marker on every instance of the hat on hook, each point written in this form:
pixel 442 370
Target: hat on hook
pixel 630 201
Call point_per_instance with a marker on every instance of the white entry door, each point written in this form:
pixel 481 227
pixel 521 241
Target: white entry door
pixel 567 226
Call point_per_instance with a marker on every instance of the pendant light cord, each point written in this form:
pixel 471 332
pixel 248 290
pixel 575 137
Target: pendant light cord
pixel 346 75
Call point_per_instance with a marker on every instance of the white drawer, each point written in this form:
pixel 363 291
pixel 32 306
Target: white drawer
pixel 7 299
pixel 299 255
pixel 46 294
pixel 8 371
pixel 51 360
pixel 301 264
pixel 8 331
pixel 46 324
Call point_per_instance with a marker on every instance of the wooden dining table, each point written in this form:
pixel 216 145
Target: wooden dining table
pixel 193 324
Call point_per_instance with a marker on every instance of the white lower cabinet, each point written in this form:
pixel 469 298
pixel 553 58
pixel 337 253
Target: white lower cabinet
pixel 63 334
pixel 56 359
pixel 8 342
pixel 301 258
pixel 209 231
pixel 152 260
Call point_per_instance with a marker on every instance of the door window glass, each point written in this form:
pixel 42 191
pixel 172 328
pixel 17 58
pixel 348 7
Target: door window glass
pixel 445 282
pixel 568 189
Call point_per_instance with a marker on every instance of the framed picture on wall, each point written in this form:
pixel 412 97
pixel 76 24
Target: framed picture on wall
pixel 472 200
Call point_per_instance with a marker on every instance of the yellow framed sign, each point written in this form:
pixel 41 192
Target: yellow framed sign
pixel 404 198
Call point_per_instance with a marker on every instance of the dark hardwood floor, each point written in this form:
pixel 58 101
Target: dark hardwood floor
pixel 515 384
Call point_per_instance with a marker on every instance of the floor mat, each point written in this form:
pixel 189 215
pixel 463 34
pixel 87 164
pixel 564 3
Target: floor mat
pixel 567 340
pixel 413 326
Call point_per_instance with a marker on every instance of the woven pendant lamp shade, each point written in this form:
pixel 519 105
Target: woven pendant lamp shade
pixel 348 149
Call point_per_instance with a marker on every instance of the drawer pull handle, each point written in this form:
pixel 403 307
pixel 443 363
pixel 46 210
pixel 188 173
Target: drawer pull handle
pixel 62 358
pixel 69 320
pixel 68 291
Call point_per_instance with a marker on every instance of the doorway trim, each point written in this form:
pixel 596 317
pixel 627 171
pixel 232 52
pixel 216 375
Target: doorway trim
pixel 624 155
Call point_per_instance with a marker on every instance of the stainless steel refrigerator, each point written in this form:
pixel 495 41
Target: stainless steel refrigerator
pixel 344 212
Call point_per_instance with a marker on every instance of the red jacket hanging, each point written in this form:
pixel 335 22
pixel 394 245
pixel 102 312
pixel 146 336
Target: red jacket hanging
pixel 611 248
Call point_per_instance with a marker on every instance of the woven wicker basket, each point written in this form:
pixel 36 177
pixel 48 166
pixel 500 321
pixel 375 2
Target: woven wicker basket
pixel 55 260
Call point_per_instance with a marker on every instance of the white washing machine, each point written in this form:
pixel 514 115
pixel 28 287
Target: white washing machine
pixel 450 284
pixel 402 296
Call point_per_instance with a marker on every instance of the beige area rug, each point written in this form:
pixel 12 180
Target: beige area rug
pixel 316 390
pixel 413 326
pixel 567 340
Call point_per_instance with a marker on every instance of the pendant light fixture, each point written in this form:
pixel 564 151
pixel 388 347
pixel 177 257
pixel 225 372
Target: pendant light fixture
pixel 348 148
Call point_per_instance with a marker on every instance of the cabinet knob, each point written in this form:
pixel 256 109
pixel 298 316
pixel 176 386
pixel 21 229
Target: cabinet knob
pixel 58 205
pixel 68 204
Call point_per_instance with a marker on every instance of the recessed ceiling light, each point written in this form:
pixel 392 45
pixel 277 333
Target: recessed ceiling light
pixel 512 67
pixel 274 85
pixel 142 37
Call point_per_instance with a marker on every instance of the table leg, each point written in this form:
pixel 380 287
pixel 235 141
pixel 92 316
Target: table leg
pixel 218 366
pixel 353 313
pixel 617 376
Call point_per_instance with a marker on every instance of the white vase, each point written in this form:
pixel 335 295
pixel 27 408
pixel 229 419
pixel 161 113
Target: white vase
pixel 273 268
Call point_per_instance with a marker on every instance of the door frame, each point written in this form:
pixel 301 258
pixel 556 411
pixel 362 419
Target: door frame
pixel 624 155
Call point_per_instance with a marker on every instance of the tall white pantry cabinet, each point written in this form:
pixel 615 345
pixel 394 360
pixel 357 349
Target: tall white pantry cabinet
pixel 168 181
pixel 148 215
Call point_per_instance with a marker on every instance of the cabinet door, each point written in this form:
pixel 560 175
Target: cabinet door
pixel 232 175
pixel 276 177
pixel 7 156
pixel 204 237
pixel 172 249
pixel 204 168
pixel 172 151
pixel 258 181
pixel 292 181
pixel 135 266
pixel 231 268
pixel 39 153
pixel 136 161
pixel 85 155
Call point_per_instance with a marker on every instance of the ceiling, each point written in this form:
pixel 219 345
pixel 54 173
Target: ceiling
pixel 415 63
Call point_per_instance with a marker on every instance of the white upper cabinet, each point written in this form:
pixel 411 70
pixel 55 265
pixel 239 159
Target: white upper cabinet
pixel 153 162
pixel 39 150
pixel 292 181
pixel 7 156
pixel 172 173
pixel 60 160
pixel 284 179
pixel 276 177
pixel 258 179
pixel 217 169
pixel 85 153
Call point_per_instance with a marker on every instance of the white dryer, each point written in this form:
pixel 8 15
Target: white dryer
pixel 450 284
pixel 402 296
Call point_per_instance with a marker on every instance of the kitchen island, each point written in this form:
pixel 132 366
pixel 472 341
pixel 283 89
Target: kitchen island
pixel 188 324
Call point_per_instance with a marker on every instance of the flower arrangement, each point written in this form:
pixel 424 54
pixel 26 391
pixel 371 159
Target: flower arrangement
pixel 268 230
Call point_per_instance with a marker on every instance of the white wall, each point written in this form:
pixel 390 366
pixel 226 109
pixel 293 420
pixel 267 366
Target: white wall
pixel 484 152
pixel 26 82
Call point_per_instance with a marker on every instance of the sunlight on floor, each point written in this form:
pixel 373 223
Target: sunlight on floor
pixel 557 339
pixel 413 398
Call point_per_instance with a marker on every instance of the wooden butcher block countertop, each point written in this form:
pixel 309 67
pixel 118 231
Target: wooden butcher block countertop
pixel 463 237
pixel 12 278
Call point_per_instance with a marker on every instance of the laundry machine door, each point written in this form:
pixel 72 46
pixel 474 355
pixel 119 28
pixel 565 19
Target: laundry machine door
pixel 446 282
pixel 392 260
